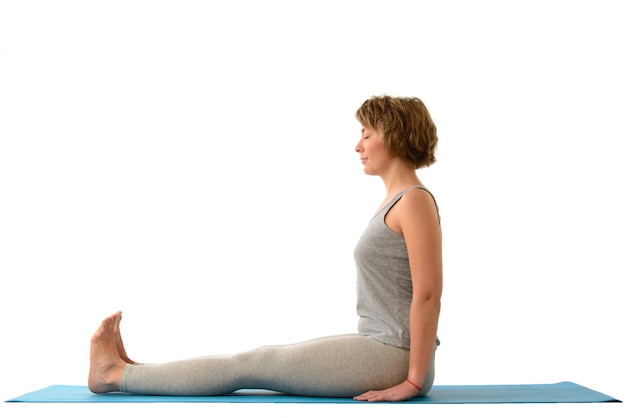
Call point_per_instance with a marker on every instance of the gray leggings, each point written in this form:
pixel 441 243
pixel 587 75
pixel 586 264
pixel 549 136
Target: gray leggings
pixel 339 366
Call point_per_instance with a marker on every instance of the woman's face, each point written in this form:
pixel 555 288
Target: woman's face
pixel 374 157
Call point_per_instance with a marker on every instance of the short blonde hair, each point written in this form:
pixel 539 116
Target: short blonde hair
pixel 405 123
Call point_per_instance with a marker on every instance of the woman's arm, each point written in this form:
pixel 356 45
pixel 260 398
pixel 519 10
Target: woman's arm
pixel 422 235
pixel 415 217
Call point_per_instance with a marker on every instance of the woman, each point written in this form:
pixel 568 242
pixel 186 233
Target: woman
pixel 399 285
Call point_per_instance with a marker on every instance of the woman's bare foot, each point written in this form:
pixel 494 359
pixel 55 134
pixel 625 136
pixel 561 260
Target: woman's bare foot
pixel 119 344
pixel 106 365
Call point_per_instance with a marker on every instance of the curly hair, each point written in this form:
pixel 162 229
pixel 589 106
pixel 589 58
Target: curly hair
pixel 406 126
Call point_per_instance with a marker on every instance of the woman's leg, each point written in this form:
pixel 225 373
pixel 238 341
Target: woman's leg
pixel 340 366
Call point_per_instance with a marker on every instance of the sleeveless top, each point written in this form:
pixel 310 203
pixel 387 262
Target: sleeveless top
pixel 384 285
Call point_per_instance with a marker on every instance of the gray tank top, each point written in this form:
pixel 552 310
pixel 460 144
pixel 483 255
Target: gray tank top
pixel 384 286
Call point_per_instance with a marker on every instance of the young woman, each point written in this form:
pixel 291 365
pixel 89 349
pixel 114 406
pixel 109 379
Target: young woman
pixel 399 285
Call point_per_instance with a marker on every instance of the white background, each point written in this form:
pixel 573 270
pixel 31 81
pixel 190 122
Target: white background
pixel 192 164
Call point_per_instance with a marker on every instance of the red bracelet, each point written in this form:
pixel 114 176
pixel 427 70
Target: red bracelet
pixel 417 387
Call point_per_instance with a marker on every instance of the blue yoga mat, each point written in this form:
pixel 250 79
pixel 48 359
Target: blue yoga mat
pixel 564 392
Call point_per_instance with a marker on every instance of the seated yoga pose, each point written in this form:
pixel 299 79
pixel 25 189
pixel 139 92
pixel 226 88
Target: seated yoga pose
pixel 399 284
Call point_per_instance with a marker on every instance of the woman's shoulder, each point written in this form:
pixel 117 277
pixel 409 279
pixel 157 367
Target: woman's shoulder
pixel 418 200
pixel 415 209
pixel 418 196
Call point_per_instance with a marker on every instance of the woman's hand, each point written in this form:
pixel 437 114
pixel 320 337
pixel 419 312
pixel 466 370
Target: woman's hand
pixel 400 392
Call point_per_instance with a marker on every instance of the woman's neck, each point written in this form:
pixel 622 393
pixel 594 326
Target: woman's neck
pixel 398 178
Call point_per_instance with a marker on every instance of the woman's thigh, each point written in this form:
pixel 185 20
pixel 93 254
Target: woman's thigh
pixel 343 365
